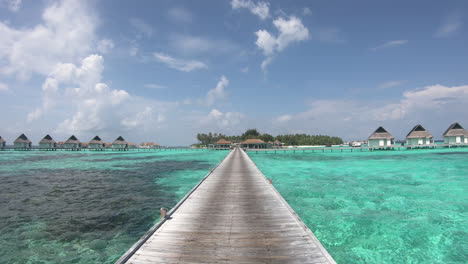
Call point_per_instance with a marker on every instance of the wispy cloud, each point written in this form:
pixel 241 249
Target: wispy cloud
pixel 105 45
pixel 4 88
pixel 284 118
pixel 306 11
pixel 328 34
pixel 155 86
pixel 390 84
pixel 216 93
pixel 180 14
pixel 179 64
pixel 260 9
pixel 449 27
pixel 141 27
pixel 389 44
pixel 13 5
pixel 426 105
pixel 195 44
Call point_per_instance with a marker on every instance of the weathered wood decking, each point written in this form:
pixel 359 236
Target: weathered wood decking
pixel 233 216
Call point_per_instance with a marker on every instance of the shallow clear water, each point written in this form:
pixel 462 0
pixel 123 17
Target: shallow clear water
pixel 381 206
pixel 89 207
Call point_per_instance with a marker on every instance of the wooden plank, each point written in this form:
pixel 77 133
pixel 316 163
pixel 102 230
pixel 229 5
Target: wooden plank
pixel 233 216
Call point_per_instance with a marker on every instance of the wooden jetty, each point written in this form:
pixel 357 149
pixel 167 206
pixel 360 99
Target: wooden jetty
pixel 234 215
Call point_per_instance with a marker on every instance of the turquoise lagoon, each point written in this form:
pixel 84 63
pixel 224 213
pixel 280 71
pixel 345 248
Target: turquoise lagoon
pixel 89 207
pixel 379 207
pixel 365 207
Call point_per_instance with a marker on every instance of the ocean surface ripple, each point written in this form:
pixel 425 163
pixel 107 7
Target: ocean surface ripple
pixel 89 207
pixel 381 206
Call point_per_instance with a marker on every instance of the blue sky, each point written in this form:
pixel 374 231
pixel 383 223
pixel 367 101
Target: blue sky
pixel 165 70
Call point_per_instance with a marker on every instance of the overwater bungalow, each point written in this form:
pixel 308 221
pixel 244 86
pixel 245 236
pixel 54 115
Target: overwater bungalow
pixel 278 144
pixel 254 143
pixel 120 143
pixel 72 143
pixel 380 138
pixel 48 143
pixel 84 145
pixel 222 144
pixel 151 145
pixel 456 134
pixel 96 143
pixel 22 142
pixel 419 136
pixel 2 143
pixel 132 145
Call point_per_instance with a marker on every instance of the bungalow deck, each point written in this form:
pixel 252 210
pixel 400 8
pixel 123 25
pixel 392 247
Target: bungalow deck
pixel 234 215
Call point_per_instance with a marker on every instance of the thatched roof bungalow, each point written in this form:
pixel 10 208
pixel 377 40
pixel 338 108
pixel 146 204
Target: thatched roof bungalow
pixel 22 142
pixel 47 143
pixel 72 143
pixel 456 134
pixel 222 144
pixel 380 138
pixel 419 136
pixel 120 143
pixel 2 143
pixel 96 143
pixel 254 143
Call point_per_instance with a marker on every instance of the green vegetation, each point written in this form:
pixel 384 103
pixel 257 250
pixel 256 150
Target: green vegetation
pixel 296 139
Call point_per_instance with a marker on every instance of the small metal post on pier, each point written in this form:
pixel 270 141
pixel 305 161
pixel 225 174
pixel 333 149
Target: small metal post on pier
pixel 163 212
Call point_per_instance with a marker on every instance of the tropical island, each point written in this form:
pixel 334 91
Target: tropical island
pixel 287 139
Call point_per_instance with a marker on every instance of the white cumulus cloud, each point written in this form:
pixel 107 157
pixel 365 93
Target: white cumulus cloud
pixel 223 120
pixel 91 99
pixel 67 33
pixel 290 30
